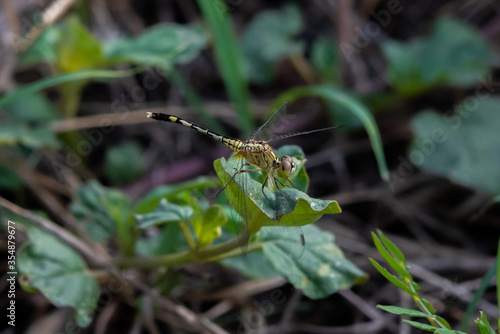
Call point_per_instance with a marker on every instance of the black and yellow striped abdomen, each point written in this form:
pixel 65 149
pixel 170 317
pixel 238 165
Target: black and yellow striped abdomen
pixel 233 143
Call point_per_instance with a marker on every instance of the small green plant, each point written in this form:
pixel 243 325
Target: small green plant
pixel 184 224
pixel 404 281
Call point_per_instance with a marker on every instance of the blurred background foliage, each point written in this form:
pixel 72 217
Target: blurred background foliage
pixel 414 85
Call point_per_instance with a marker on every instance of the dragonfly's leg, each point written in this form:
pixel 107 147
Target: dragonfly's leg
pixel 293 185
pixel 238 172
pixel 263 186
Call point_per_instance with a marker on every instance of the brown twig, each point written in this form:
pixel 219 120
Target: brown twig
pixel 59 232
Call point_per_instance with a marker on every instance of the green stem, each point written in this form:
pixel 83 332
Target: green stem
pixel 187 234
pixel 170 260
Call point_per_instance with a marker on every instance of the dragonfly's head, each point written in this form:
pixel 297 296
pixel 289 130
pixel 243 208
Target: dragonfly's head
pixel 287 166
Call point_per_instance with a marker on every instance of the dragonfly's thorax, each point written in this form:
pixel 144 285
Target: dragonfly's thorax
pixel 259 154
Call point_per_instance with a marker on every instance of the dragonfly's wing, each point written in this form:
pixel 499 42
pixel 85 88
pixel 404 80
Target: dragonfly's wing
pixel 235 192
pixel 278 136
pixel 265 131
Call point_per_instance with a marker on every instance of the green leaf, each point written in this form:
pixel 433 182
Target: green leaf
pixel 164 213
pixel 287 207
pixel 210 229
pixel 453 54
pixel 59 273
pixel 252 264
pixel 398 267
pixel 338 98
pixel 392 248
pixel 123 163
pixel 421 326
pixel 76 49
pixel 101 210
pixel 448 331
pixel 42 49
pixel 172 192
pixel 32 108
pixel 229 59
pixel 325 60
pixel 269 38
pixel 391 278
pixel 404 311
pixel 161 45
pixel 29 136
pixel 483 326
pixel 455 145
pixel 321 270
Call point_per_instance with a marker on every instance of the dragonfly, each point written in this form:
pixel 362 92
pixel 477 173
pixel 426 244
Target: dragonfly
pixel 256 152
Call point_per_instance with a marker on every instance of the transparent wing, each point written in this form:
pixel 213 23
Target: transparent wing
pixel 277 136
pixel 235 193
pixel 265 130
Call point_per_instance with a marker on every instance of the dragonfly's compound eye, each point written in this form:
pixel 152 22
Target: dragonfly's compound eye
pixel 287 166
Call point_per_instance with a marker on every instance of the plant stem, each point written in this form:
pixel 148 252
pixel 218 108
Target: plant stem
pixel 170 260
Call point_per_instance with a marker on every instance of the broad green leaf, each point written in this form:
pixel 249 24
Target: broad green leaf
pixel 421 326
pixel 336 97
pixel 391 278
pixel 463 146
pixel 229 59
pixel 453 54
pixel 167 241
pixel 253 264
pixel 29 136
pixel 319 271
pixel 324 57
pixel 59 273
pixel 287 207
pixel 123 163
pixel 102 210
pixel 164 213
pixel 483 326
pixel 172 192
pixel 398 267
pixel 42 49
pixel 76 48
pixel 33 108
pixel 269 38
pixel 162 45
pixel 210 228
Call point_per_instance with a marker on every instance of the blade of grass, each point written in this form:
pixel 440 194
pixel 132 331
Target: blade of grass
pixel 63 78
pixel 478 294
pixel 498 279
pixel 229 59
pixel 338 97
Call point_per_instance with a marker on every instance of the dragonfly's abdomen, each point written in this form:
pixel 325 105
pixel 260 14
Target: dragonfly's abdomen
pixel 259 154
pixel 233 143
